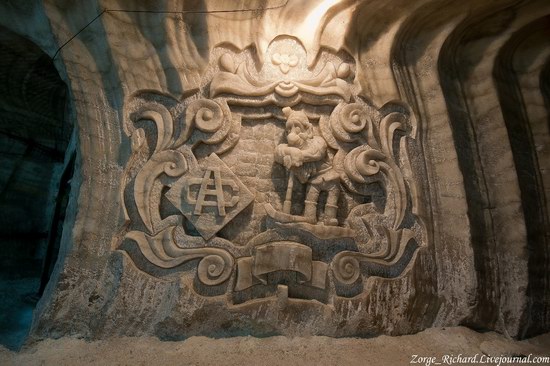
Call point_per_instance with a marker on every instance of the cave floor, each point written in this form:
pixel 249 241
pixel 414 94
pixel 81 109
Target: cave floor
pixel 441 343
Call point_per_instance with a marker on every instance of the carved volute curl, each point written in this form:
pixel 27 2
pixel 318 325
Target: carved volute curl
pixel 169 162
pixel 332 176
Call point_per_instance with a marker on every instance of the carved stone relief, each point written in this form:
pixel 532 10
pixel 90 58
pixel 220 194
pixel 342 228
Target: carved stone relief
pixel 271 180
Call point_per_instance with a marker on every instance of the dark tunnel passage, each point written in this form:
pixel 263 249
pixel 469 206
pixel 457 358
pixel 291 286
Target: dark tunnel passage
pixel 34 174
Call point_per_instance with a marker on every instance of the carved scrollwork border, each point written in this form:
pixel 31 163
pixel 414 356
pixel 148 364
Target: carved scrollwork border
pixel 363 146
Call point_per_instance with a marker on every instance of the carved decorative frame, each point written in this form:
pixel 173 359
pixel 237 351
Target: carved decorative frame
pixel 180 192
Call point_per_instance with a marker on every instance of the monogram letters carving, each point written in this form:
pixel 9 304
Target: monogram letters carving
pixel 272 181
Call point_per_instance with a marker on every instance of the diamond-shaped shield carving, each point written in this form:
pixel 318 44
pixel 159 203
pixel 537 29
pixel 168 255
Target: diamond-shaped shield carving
pixel 210 198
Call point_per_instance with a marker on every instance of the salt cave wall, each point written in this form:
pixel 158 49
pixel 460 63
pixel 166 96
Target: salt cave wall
pixel 417 198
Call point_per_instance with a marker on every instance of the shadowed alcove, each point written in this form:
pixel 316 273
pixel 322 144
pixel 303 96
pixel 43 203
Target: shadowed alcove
pixel 34 136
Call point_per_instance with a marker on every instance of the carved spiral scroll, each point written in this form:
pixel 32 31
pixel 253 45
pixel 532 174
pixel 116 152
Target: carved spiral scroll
pixel 212 119
pixel 363 162
pixel 368 166
pixel 353 118
pixel 350 122
pixel 215 269
pixel 400 247
pixel 346 268
pixel 206 114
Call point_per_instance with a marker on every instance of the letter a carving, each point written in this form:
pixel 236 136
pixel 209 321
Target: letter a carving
pixel 211 185
pixel 211 197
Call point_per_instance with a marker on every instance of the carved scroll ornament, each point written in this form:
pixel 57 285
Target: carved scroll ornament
pixel 330 206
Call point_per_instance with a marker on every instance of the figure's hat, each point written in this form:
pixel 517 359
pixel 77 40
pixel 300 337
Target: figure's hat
pixel 292 115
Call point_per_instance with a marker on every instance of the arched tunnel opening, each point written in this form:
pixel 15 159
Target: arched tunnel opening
pixel 35 171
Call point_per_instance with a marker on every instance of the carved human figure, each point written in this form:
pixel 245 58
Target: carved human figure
pixel 305 157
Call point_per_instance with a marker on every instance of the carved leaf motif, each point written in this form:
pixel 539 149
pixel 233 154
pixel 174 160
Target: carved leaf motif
pixel 326 133
pixel 138 140
pixel 390 123
pixel 343 71
pixel 240 82
pixel 363 164
pixel 169 162
pixel 292 60
pixel 326 83
pixel 163 120
pixel 276 59
pixel 161 249
pixel 227 63
pixel 285 68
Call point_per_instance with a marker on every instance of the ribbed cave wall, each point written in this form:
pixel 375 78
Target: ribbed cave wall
pixel 485 108
pixel 498 156
pixel 517 73
pixel 476 76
